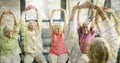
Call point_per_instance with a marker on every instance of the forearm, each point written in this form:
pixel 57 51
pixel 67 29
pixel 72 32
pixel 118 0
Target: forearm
pixel 51 21
pixel 98 28
pixel 92 14
pixel 100 12
pixel 2 16
pixel 64 23
pixel 65 16
pixel 116 22
pixel 15 21
pixel 93 26
pixel 51 25
pixel 92 6
pixel 96 22
pixel 115 17
pixel 22 22
pixel 73 13
pixel 65 20
pixel 39 21
pixel 92 18
pixel 1 19
pixel 78 19
pixel 22 19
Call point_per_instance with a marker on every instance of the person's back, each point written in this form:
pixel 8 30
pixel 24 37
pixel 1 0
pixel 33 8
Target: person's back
pixel 109 33
pixel 98 51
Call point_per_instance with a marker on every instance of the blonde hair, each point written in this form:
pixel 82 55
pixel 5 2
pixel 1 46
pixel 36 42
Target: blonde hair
pixel 98 51
pixel 32 22
pixel 57 26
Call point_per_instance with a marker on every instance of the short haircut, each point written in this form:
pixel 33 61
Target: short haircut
pixel 98 51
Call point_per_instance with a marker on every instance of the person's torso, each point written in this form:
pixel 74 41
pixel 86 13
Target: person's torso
pixel 108 33
pixel 84 39
pixel 57 44
pixel 9 46
pixel 32 42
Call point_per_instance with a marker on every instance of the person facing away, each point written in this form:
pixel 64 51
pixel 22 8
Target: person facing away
pixel 98 51
pixel 108 31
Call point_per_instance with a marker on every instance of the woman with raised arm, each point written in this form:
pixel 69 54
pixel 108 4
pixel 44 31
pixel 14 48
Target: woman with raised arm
pixel 85 34
pixel 58 52
pixel 71 37
pixel 108 32
pixel 9 47
pixel 33 46
pixel 71 32
pixel 92 47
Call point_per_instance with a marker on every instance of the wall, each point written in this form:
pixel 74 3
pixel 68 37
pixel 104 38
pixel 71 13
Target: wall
pixel 12 5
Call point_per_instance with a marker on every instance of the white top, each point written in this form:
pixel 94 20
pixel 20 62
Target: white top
pixel 71 36
pixel 33 42
pixel 108 33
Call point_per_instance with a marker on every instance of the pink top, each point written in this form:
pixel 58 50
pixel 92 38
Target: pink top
pixel 57 45
pixel 84 39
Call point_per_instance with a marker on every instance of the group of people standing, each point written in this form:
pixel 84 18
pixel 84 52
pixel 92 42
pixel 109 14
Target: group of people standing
pixel 70 44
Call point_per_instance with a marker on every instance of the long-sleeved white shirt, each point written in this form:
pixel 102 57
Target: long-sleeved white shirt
pixel 32 40
pixel 108 33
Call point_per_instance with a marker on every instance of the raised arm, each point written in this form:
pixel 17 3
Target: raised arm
pixel 14 17
pixel 65 19
pixel 22 22
pixel 2 28
pixel 78 19
pixel 99 11
pixel 108 10
pixel 8 12
pixel 116 19
pixel 92 28
pixel 97 8
pixel 22 19
pixel 39 21
pixel 74 9
pixel 51 21
pixel 16 26
pixel 96 22
pixel 2 16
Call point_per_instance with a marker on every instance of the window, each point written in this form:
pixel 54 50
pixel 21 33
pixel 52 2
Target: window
pixel 45 7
